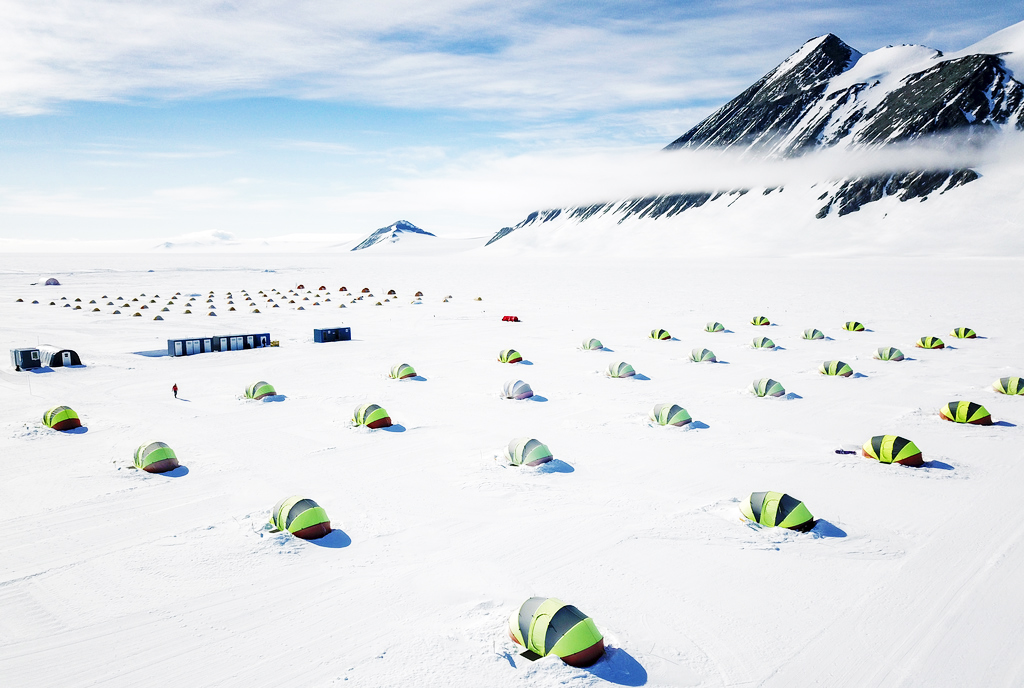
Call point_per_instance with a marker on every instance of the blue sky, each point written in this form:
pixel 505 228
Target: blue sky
pixel 156 119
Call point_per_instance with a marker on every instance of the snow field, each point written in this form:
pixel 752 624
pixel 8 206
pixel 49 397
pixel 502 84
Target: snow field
pixel 116 577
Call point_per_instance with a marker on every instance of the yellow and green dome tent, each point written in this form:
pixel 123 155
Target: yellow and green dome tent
pixel 964 333
pixel 892 449
pixel 835 368
pixel 777 510
pixel 402 371
pixel 703 356
pixel 155 457
pixel 592 344
pixel 760 320
pixel 620 369
pixel 509 356
pixel 301 517
pixel 660 334
pixel 670 414
pixel 929 343
pixel 1009 385
pixel 526 451
pixel 888 353
pixel 259 390
pixel 548 626
pixel 853 326
pixel 372 416
pixel 762 343
pixel 61 418
pixel 966 412
pixel 813 334
pixel 767 387
pixel 714 327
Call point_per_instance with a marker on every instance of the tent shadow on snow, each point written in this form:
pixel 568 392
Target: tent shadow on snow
pixel 696 425
pixel 792 395
pixel 856 375
pixel 639 376
pixel 1005 423
pixel 555 466
pixel 336 539
pixel 824 529
pixel 274 397
pixel 536 397
pixel 81 430
pixel 39 371
pixel 394 427
pixel 619 667
pixel 417 378
pixel 179 472
pixel 525 362
pixel 152 353
pixel 941 465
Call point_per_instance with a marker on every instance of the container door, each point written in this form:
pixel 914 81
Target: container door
pixel 263 341
pixel 236 343
pixel 177 348
pixel 249 340
pixel 66 356
pixel 188 347
pixel 207 345
pixel 223 343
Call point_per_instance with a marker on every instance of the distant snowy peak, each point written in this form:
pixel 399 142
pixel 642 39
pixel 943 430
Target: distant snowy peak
pixel 392 233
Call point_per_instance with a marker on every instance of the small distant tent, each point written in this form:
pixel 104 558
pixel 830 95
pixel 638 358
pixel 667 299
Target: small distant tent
pixel 321 288
pixel 507 318
pixel 888 353
pixel 526 451
pixel 762 343
pixel 372 416
pixel 777 510
pixel 714 327
pixel 52 282
pixel 300 516
pixel 966 412
pixel 813 334
pixel 155 457
pixel 760 320
pixel 365 290
pixel 670 414
pixel 402 371
pixel 548 626
pixel 853 326
pixel 964 333
pixel 703 356
pixel 392 292
pixel 592 344
pixel 835 368
pixel 55 357
pixel 620 369
pixel 1009 385
pixel 61 418
pixel 301 286
pixel 929 343
pixel 517 389
pixel 767 387
pixel 510 356
pixel 259 390
pixel 892 449
pixel 660 334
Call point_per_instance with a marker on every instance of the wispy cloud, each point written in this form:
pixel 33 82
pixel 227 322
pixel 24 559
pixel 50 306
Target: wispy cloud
pixel 530 57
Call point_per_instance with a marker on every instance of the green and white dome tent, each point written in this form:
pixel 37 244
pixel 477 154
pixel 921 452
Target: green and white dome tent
pixel 510 356
pixel 762 343
pixel 813 334
pixel 853 326
pixel 777 510
pixel 402 371
pixel 888 353
pixel 548 626
pixel 592 344
pixel 670 414
pixel 837 368
pixel 660 335
pixel 61 418
pixel 892 449
pixel 1009 385
pixel 155 457
pixel 620 369
pixel 703 356
pixel 372 416
pixel 516 389
pixel 526 451
pixel 301 517
pixel 259 390
pixel 966 412
pixel 767 387
pixel 760 320
pixel 714 326
pixel 929 343
pixel 964 333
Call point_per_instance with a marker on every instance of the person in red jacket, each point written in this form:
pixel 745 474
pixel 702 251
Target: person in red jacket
pixel 175 390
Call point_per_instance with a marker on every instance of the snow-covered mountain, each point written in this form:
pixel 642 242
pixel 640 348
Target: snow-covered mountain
pixel 829 95
pixel 393 233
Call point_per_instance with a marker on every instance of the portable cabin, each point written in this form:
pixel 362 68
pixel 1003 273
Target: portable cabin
pixel 54 357
pixel 238 342
pixel 189 347
pixel 25 359
pixel 332 334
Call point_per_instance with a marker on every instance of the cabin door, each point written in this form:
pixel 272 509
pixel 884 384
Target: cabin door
pixel 177 348
pixel 249 340
pixel 66 355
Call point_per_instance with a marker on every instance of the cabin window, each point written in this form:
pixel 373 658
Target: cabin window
pixel 35 355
